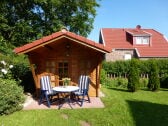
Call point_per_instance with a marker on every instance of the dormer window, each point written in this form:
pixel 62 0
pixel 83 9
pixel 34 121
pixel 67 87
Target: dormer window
pixel 138 37
pixel 142 40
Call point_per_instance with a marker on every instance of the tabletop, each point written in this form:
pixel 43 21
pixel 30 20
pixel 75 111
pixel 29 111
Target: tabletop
pixel 66 88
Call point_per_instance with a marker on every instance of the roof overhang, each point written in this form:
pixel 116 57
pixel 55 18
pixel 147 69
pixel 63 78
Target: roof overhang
pixel 27 50
pixel 57 36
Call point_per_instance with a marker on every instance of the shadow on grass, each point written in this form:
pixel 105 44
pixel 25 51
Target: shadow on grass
pixel 161 89
pixel 144 89
pixel 148 114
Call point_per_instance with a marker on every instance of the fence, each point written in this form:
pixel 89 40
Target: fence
pixel 113 76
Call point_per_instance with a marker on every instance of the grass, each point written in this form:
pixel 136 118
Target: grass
pixel 122 108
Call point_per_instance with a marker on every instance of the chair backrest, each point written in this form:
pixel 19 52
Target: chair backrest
pixel 45 84
pixel 83 83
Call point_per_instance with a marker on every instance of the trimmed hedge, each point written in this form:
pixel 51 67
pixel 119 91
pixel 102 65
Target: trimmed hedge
pixel 120 68
pixel 11 96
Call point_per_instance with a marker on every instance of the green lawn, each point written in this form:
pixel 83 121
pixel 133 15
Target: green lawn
pixel 142 108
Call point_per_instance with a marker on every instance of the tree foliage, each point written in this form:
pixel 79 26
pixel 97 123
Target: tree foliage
pixel 22 21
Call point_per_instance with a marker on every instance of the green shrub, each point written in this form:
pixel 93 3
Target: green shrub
pixel 164 81
pixel 143 82
pixel 11 96
pixel 104 80
pixel 103 77
pixel 122 82
pixel 22 73
pixel 154 82
pixel 5 70
pixel 133 76
pixel 162 66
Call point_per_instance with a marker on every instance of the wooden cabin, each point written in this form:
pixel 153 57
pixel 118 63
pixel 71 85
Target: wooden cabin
pixel 65 54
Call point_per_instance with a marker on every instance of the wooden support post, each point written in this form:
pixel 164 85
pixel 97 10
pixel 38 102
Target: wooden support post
pixel 32 67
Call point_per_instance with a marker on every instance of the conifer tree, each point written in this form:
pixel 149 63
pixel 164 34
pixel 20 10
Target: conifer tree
pixel 133 76
pixel 154 82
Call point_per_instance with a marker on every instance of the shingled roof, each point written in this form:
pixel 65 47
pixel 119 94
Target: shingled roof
pixel 116 38
pixel 58 35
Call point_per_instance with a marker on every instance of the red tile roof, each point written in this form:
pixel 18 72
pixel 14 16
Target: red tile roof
pixel 138 32
pixel 115 38
pixel 58 35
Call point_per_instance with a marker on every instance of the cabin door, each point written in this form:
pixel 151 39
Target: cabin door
pixel 58 69
pixel 63 70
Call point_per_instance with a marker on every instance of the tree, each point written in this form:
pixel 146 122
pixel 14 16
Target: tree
pixel 133 76
pixel 154 82
pixel 22 21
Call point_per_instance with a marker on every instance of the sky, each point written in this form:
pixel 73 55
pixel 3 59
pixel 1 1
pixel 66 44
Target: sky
pixel 152 14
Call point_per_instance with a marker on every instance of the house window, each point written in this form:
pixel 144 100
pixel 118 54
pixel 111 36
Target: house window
pixel 142 40
pixel 127 56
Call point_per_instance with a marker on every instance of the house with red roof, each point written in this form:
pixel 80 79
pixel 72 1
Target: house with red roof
pixel 65 54
pixel 126 43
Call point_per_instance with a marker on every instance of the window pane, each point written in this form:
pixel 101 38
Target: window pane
pixel 63 69
pixel 138 40
pixel 145 40
pixel 60 64
pixel 53 64
pixel 142 40
pixel 65 64
pixel 60 71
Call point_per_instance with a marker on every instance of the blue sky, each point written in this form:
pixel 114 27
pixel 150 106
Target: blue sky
pixel 129 13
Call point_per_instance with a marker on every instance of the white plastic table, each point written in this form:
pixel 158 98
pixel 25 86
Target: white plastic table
pixel 66 89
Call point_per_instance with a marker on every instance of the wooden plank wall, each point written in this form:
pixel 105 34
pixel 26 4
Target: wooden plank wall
pixel 81 59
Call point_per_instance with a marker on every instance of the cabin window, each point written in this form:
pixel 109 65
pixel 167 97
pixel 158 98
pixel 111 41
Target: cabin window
pixel 50 66
pixel 63 69
pixel 142 40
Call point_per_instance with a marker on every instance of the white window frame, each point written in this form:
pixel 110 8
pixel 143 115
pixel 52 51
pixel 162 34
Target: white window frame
pixel 142 40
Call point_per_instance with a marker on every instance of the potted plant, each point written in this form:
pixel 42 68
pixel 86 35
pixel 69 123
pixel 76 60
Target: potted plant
pixel 66 81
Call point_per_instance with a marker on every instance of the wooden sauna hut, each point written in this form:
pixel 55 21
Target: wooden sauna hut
pixel 65 54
